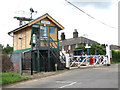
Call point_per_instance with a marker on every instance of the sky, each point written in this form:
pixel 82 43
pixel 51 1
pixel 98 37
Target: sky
pixel 68 16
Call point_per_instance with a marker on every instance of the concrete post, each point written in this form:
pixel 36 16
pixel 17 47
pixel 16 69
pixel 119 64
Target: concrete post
pixel 108 54
pixel 56 67
pixel 67 61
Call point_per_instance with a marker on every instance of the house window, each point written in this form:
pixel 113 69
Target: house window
pixel 52 30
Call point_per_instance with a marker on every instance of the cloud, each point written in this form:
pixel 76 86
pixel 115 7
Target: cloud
pixel 94 3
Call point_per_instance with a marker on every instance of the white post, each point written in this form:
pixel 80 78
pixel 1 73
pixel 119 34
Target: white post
pixel 69 47
pixel 67 60
pixel 34 38
pixel 62 48
pixel 56 67
pixel 108 54
pixel 76 45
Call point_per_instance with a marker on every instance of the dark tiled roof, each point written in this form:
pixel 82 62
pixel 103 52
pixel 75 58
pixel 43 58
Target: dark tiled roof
pixel 77 40
pixel 116 47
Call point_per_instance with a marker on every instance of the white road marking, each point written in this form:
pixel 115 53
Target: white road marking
pixel 22 83
pixel 68 85
pixel 35 80
pixel 63 82
pixel 100 68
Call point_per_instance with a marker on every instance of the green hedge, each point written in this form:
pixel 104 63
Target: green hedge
pixel 115 55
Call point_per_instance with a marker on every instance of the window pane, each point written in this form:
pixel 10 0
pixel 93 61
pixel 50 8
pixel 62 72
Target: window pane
pixel 55 30
pixel 41 27
pixel 46 31
pixel 40 32
pixel 43 31
pixel 52 30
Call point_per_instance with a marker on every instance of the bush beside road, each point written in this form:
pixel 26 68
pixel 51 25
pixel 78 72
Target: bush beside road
pixel 9 77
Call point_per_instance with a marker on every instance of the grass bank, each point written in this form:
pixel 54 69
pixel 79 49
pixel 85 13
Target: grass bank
pixel 9 77
pixel 115 62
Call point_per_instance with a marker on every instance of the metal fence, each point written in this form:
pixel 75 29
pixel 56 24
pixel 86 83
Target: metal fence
pixel 26 62
pixel 16 59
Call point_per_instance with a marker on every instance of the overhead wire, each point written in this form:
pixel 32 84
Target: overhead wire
pixel 90 15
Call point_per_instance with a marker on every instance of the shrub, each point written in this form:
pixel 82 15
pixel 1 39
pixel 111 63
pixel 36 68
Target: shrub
pixel 7 50
pixel 9 77
pixel 100 49
pixel 80 47
pixel 116 55
pixel 7 64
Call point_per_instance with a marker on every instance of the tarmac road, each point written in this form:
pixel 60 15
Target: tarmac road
pixel 100 77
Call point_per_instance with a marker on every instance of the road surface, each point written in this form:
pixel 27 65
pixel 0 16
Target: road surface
pixel 100 77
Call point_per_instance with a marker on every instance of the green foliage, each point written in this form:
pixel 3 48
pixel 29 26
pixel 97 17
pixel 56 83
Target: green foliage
pixel 115 62
pixel 116 55
pixel 100 49
pixel 80 47
pixel 0 78
pixel 9 77
pixel 103 45
pixel 7 50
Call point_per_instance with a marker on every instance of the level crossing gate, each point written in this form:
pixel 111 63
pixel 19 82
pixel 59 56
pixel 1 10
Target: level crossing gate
pixel 84 60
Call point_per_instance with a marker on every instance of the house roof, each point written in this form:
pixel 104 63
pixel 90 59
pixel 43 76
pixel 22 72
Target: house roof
pixel 36 20
pixel 77 40
pixel 116 47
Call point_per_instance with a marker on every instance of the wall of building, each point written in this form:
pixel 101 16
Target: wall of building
pixel 25 35
pixel 21 39
pixel 68 45
pixel 69 48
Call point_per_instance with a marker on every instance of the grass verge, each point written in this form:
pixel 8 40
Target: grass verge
pixel 115 62
pixel 9 77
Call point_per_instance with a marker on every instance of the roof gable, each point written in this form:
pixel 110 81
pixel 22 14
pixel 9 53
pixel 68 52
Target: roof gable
pixel 50 18
pixel 46 19
pixel 37 20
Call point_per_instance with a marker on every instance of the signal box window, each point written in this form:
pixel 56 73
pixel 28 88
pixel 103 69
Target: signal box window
pixel 52 30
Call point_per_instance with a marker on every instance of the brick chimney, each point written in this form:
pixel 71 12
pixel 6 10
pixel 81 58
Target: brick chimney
pixel 62 36
pixel 75 33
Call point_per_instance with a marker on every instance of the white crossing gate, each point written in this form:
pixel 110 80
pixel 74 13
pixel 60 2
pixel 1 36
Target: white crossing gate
pixel 84 60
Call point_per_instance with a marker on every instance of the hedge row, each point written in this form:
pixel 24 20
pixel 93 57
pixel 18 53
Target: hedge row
pixel 116 55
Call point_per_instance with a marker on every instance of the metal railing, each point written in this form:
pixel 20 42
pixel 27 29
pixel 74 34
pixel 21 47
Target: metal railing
pixel 49 42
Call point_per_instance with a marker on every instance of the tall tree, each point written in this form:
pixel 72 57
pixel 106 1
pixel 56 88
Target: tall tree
pixel 7 50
